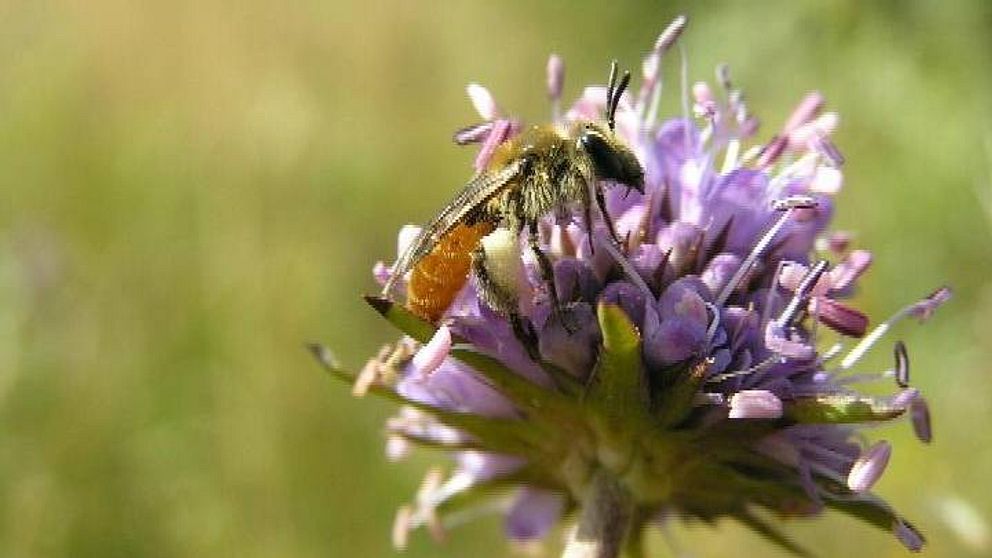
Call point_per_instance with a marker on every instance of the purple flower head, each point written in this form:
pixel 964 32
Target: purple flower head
pixel 684 369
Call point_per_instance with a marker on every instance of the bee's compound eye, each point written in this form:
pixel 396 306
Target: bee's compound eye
pixel 611 161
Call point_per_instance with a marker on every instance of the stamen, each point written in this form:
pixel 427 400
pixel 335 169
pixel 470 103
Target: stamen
pixel 628 268
pixel 772 151
pixel 925 308
pixel 426 505
pixel 397 448
pixel 905 398
pixel 831 353
pixel 922 309
pixel 652 112
pixel 839 317
pixel 714 323
pixel 670 34
pixel 822 126
pixel 760 367
pixel 367 376
pixel 684 81
pixel 650 84
pixel 919 414
pixel 794 202
pixel 908 535
pixel 731 154
pixel 902 364
pixel 500 132
pixel 837 242
pixel 556 78
pixel 723 76
pixel 807 109
pixel 473 134
pixel 853 266
pixel 431 355
pixel 756 253
pixel 825 147
pixel 755 404
pixel 801 296
pixel 401 527
pixel 869 467
pixel 483 101
pixel 704 398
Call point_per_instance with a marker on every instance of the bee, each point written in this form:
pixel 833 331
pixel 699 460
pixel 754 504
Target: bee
pixel 546 168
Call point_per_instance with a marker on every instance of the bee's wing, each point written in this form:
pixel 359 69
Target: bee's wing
pixel 479 189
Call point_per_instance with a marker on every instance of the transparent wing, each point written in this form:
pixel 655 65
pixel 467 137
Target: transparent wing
pixel 482 187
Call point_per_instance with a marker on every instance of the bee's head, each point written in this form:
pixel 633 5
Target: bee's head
pixel 611 160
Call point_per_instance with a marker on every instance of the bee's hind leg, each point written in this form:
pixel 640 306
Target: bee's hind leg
pixel 504 302
pixel 548 276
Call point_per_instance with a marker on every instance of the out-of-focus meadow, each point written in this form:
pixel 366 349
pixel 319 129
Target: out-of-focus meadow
pixel 192 190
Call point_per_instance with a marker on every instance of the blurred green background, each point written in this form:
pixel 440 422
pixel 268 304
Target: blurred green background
pixel 193 189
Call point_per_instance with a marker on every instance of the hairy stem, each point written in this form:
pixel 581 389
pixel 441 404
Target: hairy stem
pixel 607 512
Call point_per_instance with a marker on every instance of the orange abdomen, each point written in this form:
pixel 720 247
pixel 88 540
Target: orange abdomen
pixel 437 278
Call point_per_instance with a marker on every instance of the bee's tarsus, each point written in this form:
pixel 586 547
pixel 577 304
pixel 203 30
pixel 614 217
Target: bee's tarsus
pixel 524 332
pixel 547 271
pixel 589 227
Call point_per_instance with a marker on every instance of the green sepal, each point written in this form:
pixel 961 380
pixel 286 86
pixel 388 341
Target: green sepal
pixel 867 507
pixel 770 533
pixel 679 397
pixel 509 436
pixel 404 320
pixel 838 409
pixel 525 394
pixel 618 388
pixel 873 511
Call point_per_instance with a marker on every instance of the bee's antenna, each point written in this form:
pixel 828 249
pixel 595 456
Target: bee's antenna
pixel 613 94
pixel 610 84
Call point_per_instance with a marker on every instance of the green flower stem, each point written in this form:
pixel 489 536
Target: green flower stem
pixel 605 519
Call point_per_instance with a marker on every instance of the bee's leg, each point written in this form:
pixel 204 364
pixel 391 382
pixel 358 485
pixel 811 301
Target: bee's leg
pixel 601 203
pixel 587 206
pixel 524 332
pixel 504 302
pixel 548 276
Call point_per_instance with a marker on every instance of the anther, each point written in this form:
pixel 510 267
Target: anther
pixel 902 364
pixel 801 296
pixel 794 202
pixel 908 535
pixel 869 467
pixel 670 34
pixel 825 147
pixel 919 415
pixel 755 404
pixel 723 76
pixel 807 109
pixel 483 101
pixel 472 134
